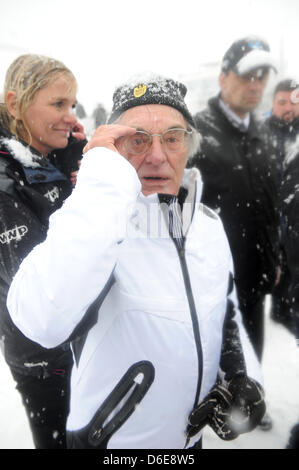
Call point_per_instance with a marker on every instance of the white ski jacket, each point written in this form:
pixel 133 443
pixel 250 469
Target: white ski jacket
pixel 159 337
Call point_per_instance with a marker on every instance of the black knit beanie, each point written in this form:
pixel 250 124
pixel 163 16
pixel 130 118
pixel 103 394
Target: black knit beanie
pixel 153 89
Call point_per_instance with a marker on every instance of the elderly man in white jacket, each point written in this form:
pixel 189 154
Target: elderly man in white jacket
pixel 137 274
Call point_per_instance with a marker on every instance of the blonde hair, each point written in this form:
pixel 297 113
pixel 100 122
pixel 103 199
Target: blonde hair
pixel 28 74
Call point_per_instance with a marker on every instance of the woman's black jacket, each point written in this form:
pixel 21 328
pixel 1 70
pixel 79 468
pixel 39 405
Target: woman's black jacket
pixel 31 189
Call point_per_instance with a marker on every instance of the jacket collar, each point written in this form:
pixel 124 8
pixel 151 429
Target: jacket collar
pixel 36 168
pixel 191 181
pixel 252 132
pixel 24 154
pixel 286 127
pixel 148 209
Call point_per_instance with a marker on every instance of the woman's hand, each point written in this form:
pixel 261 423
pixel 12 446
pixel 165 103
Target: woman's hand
pixel 74 175
pixel 78 131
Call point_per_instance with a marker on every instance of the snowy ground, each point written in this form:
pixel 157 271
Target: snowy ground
pixel 281 372
pixel 281 375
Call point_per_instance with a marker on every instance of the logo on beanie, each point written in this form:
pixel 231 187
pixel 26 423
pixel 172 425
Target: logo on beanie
pixel 139 91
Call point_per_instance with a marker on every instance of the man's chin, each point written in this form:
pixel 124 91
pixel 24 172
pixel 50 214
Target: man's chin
pixel 252 104
pixel 147 192
pixel 288 118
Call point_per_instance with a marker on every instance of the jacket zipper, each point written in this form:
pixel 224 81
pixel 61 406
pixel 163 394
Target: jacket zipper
pixel 193 313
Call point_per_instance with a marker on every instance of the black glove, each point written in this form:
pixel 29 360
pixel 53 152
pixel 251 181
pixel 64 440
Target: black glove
pixel 248 404
pixel 230 409
pixel 214 410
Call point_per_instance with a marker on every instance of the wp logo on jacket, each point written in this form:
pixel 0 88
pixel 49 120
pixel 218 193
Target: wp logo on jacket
pixel 17 233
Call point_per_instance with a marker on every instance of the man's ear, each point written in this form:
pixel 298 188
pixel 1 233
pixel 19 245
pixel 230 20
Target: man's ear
pixel 11 104
pixel 222 80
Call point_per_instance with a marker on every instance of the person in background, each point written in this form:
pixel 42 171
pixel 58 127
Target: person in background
pixel 283 125
pixel 80 111
pixel 284 120
pixel 99 115
pixel 290 213
pixel 40 144
pixel 93 121
pixel 239 178
pixel 144 289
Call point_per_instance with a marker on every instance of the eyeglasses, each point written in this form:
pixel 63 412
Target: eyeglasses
pixel 174 140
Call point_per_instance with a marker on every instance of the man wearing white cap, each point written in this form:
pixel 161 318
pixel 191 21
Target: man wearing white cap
pixel 239 176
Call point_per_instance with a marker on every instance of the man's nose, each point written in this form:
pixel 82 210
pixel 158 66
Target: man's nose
pixel 156 154
pixel 255 84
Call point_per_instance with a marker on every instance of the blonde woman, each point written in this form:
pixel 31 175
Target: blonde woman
pixel 40 144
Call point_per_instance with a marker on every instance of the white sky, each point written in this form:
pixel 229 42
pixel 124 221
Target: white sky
pixel 106 41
